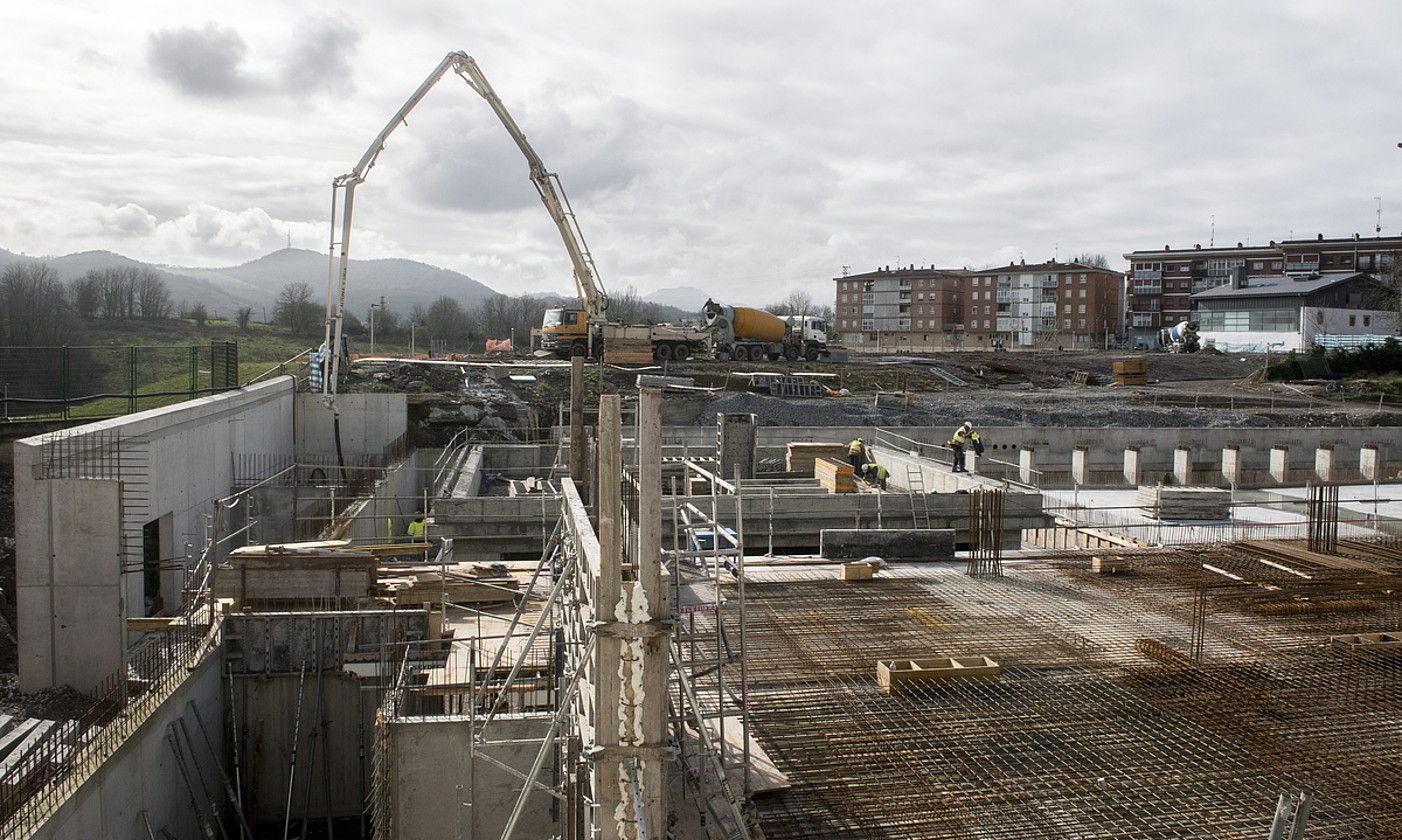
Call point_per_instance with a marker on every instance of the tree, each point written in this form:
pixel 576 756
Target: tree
pixel 152 296
pixel 245 317
pixel 34 307
pixel 1093 260
pixel 446 320
pixel 296 310
pixel 199 314
pixel 85 295
pixel 630 308
pixel 797 302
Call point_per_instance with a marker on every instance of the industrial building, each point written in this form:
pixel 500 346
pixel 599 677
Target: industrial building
pixel 617 626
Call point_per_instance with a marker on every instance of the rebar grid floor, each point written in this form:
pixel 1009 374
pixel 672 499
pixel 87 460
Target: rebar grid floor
pixel 1082 736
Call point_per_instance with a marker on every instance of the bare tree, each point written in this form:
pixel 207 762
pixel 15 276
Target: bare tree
pixel 797 302
pixel 296 310
pixel 630 308
pixel 1090 259
pixel 152 296
pixel 33 306
pixel 199 315
pixel 245 317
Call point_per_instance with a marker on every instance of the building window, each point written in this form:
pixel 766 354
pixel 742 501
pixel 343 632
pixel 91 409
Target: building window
pixel 1367 320
pixel 1083 292
pixel 1351 320
pixel 1066 309
pixel 1081 323
pixel 1275 264
pixel 1081 310
pixel 1068 293
pixel 1083 279
pixel 1257 265
pixel 1066 324
pixel 1319 318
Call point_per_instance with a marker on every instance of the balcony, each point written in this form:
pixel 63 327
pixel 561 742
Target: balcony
pixel 1148 274
pixel 1144 319
pixel 1048 282
pixel 1048 310
pixel 1005 296
pixel 1147 288
pixel 1300 266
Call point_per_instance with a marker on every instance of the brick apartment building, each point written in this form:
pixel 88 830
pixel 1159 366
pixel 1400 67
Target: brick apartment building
pixel 1162 283
pixel 1050 304
pixel 901 309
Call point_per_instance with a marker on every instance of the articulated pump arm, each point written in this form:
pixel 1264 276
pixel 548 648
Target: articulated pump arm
pixel 547 184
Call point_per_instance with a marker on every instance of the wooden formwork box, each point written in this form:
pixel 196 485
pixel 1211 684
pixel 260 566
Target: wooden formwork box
pixel 835 476
pixel 894 675
pixel 258 574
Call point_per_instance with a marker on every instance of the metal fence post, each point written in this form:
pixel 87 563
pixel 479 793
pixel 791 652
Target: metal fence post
pixel 131 379
pixel 194 370
pixel 63 378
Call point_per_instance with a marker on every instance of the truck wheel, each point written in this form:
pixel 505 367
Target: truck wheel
pixel 791 353
pixel 740 353
pixel 663 352
pixel 681 352
pixel 811 354
pixel 578 349
pixel 774 357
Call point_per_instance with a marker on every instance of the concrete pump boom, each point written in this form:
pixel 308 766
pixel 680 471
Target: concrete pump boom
pixel 547 184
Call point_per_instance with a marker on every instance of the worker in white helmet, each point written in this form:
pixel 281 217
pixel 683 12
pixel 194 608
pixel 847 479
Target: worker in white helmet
pixel 964 436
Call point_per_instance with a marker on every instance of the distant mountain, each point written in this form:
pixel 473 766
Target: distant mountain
pixel 686 298
pixel 403 283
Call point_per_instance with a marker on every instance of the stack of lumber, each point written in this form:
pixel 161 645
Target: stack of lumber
pixel 835 476
pixel 1131 371
pixel 628 351
pixel 800 456
pixel 894 675
pixel 1085 377
pixel 458 583
pixel 1195 503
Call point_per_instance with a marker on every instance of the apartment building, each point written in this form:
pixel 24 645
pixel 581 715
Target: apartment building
pixel 1162 282
pixel 901 309
pixel 1050 304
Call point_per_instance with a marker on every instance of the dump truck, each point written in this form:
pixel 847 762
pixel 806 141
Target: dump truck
pixel 569 332
pixel 745 334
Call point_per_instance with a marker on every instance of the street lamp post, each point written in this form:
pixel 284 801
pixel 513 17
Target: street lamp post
pixel 373 307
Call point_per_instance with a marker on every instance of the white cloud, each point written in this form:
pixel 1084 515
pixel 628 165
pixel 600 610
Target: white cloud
pixel 745 149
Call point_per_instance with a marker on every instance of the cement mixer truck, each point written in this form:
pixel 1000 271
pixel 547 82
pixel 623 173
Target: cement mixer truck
pixel 745 334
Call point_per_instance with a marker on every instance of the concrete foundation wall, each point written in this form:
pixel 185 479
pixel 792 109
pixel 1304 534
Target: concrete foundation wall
pixel 369 423
pixel 386 515
pixel 142 782
pixel 1053 450
pixel 436 790
pixel 175 462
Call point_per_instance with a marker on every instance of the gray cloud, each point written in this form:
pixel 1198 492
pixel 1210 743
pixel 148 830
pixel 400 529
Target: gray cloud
pixel 205 62
pixel 320 57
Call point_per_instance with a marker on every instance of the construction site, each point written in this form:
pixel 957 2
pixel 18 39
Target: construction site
pixel 724 582
pixel 613 624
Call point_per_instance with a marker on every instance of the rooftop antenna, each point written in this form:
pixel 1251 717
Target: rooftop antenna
pixel 1379 228
pixel 1212 237
pixel 289 237
pixel 846 270
pixel 1056 251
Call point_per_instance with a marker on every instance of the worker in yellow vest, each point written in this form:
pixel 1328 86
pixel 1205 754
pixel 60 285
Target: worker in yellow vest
pixel 416 528
pixel 964 436
pixel 857 455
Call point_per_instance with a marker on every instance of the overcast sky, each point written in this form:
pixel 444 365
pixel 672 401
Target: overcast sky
pixel 744 148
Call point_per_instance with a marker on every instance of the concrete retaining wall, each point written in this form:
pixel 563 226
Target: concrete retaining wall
pixel 72 593
pixel 141 782
pixel 888 544
pixel 369 423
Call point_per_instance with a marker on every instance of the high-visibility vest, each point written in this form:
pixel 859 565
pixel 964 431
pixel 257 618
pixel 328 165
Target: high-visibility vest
pixel 878 472
pixel 959 437
pixel 855 447
pixel 416 530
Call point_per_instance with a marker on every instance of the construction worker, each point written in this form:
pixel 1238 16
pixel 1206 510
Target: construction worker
pixel 875 474
pixel 964 436
pixel 857 455
pixel 416 528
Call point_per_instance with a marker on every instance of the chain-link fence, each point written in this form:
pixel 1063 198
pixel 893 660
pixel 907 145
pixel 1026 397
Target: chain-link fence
pixel 39 383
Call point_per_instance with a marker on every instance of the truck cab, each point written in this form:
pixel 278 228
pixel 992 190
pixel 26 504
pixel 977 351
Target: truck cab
pixel 565 332
pixel 809 334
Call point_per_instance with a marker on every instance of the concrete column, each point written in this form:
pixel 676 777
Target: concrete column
pixel 1231 465
pixel 1370 463
pixel 736 435
pixel 1280 464
pixel 970 461
pixel 1324 463
pixel 652 772
pixel 608 586
pixel 1027 466
pixel 1080 465
pixel 1134 469
pixel 1183 465
pixel 578 450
